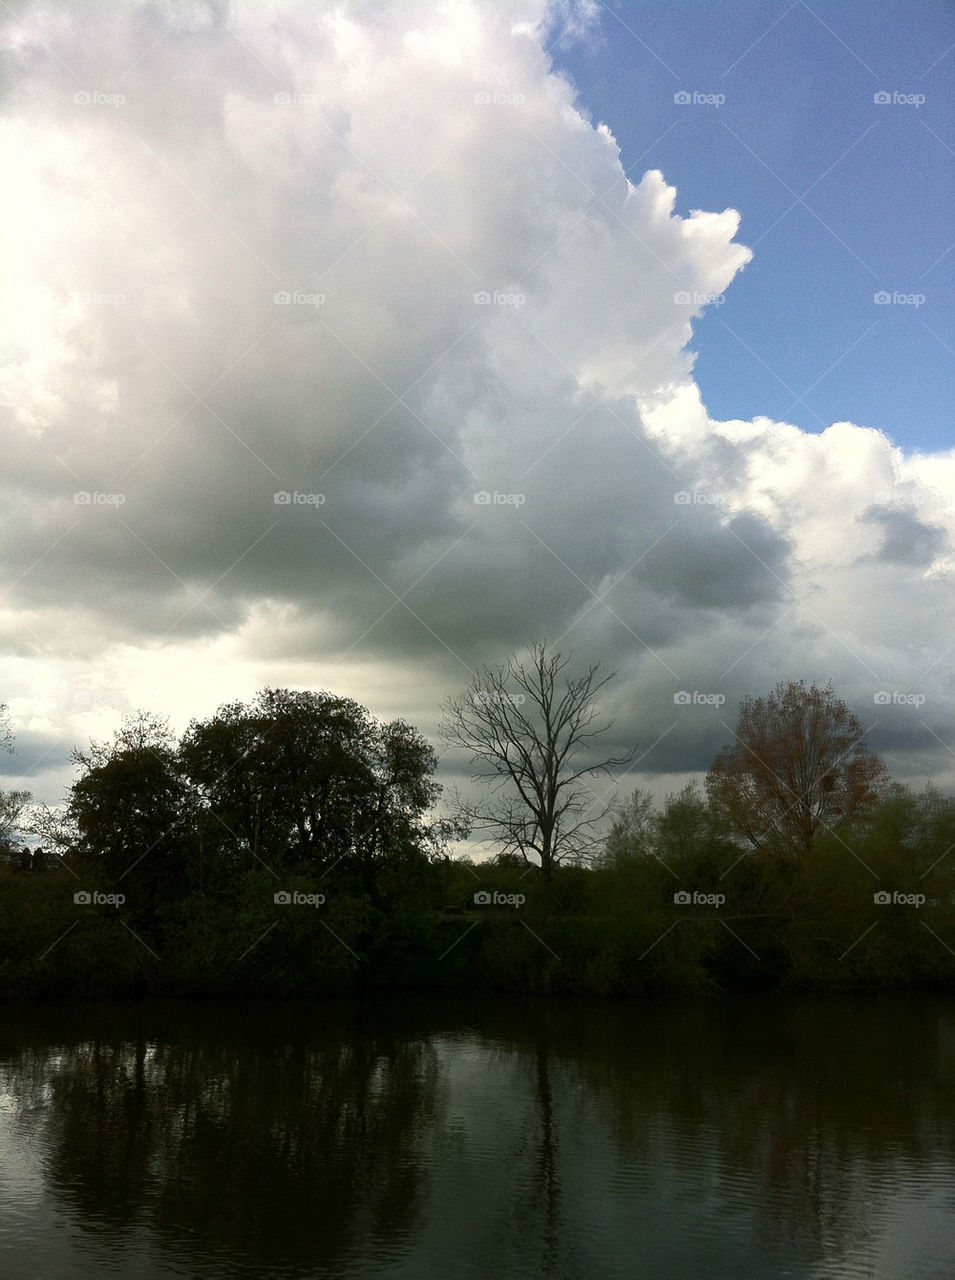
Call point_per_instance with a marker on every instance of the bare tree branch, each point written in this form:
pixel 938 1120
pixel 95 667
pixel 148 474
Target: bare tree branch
pixel 525 725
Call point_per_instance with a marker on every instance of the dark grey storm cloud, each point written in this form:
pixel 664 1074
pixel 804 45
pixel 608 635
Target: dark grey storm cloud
pixel 905 538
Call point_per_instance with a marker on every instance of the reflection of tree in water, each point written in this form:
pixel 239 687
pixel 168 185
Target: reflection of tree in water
pixel 295 1153
pixel 517 1043
pixel 538 1150
pixel 812 1107
pixel 301 1140
pixel 548 1161
pixel 102 1131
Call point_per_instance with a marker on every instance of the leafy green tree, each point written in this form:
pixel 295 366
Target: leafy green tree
pixel 309 781
pixel 633 832
pixel 278 776
pixel 399 792
pixel 857 919
pixel 134 812
pixel 684 834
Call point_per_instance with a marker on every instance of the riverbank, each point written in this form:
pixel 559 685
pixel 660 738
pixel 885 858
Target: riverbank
pixel 458 928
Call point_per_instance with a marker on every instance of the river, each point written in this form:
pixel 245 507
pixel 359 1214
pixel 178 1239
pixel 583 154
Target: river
pixel 429 1137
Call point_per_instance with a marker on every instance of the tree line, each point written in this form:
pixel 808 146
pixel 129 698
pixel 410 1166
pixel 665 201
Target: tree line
pixel 292 845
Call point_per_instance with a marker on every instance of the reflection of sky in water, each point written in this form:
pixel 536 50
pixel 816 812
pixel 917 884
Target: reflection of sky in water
pixel 913 1226
pixel 528 1156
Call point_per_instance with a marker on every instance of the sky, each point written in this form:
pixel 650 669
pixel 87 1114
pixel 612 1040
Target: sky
pixel 355 347
pixel 842 195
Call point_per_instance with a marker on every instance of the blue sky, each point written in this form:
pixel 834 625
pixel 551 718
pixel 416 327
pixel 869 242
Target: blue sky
pixel 841 197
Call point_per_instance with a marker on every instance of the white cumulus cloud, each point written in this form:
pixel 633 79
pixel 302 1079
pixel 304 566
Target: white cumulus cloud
pixel 375 258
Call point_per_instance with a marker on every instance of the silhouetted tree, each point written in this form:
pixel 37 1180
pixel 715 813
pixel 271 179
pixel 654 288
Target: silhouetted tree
pixel 310 781
pixel 54 827
pixel 133 811
pixel 531 733
pixel 278 775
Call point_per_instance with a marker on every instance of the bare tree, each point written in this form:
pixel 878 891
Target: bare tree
pixel 11 802
pixel 53 827
pixel 531 733
pixel 6 733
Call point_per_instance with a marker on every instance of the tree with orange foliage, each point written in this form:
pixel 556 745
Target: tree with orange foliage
pixel 798 766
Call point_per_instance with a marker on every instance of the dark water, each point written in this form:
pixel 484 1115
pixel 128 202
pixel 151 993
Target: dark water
pixel 484 1138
